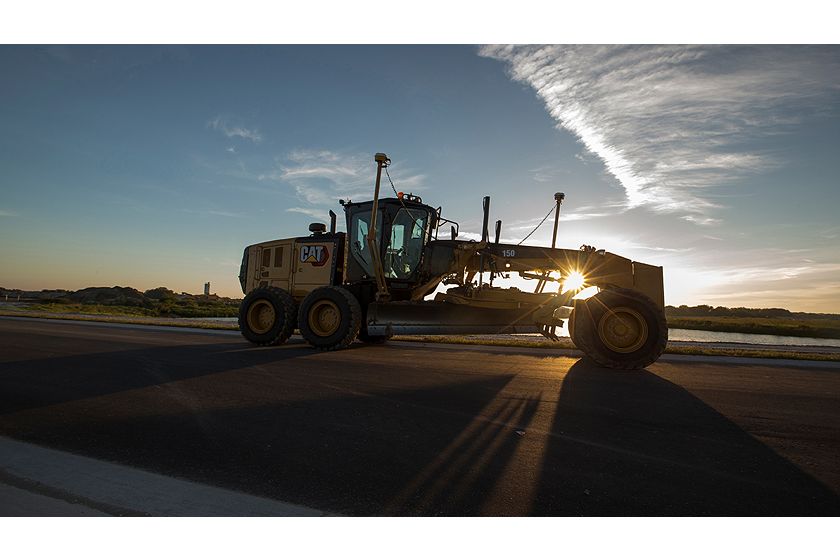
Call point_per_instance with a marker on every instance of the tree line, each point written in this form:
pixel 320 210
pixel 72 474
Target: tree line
pixel 747 312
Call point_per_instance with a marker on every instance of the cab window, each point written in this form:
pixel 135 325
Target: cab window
pixel 359 226
pixel 405 246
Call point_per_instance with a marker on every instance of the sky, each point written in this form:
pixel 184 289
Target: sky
pixel 152 166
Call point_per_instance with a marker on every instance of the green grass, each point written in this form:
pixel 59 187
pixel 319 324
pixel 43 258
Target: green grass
pixel 567 345
pixel 183 309
pixel 92 309
pixel 794 326
pixel 753 353
pixel 196 323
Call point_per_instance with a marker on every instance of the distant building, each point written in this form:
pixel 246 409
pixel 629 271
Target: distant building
pixel 207 288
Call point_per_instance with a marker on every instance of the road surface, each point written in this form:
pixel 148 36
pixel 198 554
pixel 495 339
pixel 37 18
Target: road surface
pixel 413 429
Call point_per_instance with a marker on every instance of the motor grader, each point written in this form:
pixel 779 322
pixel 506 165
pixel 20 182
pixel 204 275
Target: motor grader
pixel 375 281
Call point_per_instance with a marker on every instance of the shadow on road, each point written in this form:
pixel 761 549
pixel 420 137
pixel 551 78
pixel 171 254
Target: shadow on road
pixel 346 439
pixel 632 443
pixel 363 433
pixel 35 383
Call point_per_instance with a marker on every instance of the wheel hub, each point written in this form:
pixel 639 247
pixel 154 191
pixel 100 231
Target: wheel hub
pixel 623 330
pixel 261 316
pixel 324 318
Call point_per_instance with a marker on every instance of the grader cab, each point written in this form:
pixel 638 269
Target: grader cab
pixel 374 281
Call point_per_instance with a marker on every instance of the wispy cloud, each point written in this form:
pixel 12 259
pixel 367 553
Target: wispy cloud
pixel 7 214
pixel 321 177
pixel 582 213
pixel 547 173
pixel 234 130
pixel 701 220
pixel 313 212
pixel 831 233
pixel 670 121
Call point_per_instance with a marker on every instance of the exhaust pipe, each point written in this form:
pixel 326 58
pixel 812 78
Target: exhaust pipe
pixel 485 235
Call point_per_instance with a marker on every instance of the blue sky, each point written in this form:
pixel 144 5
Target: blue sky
pixel 149 166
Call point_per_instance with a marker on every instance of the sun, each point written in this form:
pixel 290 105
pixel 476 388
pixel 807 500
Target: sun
pixel 574 281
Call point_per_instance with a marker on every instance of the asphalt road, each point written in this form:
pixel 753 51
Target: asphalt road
pixel 408 429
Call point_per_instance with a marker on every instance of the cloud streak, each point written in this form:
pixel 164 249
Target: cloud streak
pixel 671 122
pixel 321 177
pixel 312 212
pixel 231 130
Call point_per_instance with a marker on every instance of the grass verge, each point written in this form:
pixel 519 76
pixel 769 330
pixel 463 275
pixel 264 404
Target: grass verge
pixel 191 309
pixel 684 350
pixel 127 319
pixel 782 326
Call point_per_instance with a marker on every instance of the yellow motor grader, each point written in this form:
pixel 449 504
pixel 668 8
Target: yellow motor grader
pixel 372 282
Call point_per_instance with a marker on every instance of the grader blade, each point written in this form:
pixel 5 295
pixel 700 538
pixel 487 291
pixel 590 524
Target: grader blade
pixel 446 318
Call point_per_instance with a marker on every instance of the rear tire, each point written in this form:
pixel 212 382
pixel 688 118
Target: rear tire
pixel 330 318
pixel 267 316
pixel 619 328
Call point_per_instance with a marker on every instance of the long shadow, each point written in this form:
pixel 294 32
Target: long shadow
pixel 342 437
pixel 349 452
pixel 40 382
pixel 632 443
pixel 350 438
pixel 457 482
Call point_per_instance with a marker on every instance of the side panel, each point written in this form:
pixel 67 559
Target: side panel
pixel 314 264
pixel 277 263
pixel 648 280
pixel 252 271
pixel 269 264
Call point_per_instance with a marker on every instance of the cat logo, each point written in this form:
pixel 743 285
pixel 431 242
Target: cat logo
pixel 316 255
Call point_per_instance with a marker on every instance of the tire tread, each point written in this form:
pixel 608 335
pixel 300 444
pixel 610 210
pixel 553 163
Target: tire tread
pixel 353 326
pixel 587 343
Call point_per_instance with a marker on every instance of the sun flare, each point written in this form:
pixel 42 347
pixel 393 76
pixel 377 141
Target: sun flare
pixel 573 282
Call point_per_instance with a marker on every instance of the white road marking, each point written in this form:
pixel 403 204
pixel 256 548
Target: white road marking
pixel 129 488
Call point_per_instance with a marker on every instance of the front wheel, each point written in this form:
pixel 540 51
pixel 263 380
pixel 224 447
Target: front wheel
pixel 619 328
pixel 330 318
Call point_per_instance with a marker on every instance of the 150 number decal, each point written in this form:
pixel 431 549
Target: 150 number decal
pixel 508 252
